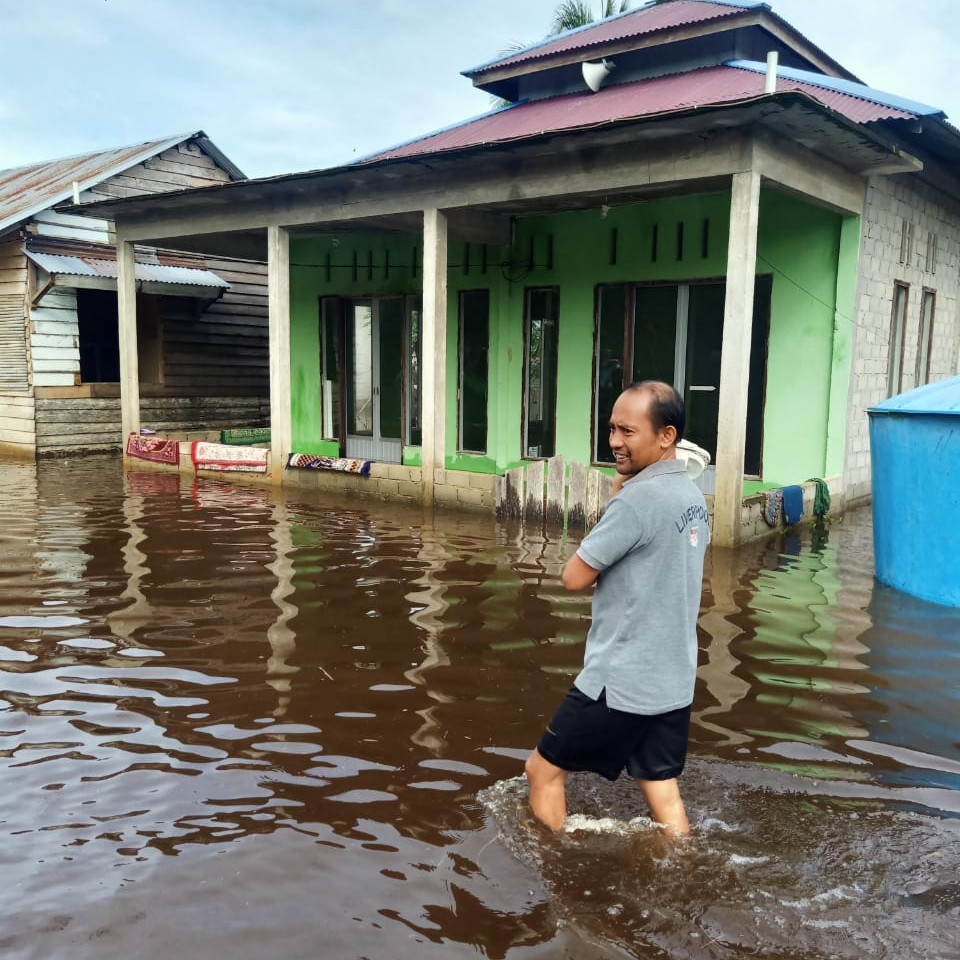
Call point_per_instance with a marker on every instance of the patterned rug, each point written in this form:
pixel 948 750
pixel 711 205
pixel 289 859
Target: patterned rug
pixel 207 455
pixel 307 461
pixel 245 435
pixel 157 449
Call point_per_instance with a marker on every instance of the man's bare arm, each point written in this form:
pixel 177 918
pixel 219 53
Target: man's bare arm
pixel 578 575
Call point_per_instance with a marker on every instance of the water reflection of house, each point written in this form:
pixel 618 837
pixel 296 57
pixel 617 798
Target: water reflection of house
pixel 201 321
pixel 475 298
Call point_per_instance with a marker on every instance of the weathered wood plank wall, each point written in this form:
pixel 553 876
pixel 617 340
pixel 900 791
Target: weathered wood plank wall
pixel 49 223
pixel 224 348
pixel 17 424
pixel 55 340
pixel 70 426
pixel 16 400
pixel 184 165
pixel 13 269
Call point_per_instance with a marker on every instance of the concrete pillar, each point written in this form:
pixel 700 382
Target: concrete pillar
pixel 735 360
pixel 127 334
pixel 278 292
pixel 434 348
pixel 844 333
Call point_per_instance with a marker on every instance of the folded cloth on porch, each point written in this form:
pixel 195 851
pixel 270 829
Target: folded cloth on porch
pixel 792 504
pixel 307 461
pixel 773 507
pixel 158 449
pixel 821 497
pixel 245 435
pixel 221 456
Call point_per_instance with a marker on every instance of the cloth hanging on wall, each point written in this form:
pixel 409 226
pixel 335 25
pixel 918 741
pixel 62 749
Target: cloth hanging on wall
pixel 792 504
pixel 156 449
pixel 821 497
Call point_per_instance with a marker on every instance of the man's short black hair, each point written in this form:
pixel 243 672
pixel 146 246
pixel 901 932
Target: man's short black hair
pixel 666 405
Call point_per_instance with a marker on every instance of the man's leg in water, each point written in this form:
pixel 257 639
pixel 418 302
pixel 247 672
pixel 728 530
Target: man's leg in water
pixel 666 806
pixel 548 798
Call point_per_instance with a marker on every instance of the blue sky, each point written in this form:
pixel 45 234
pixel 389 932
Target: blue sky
pixel 285 85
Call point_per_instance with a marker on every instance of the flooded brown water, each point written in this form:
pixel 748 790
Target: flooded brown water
pixel 243 725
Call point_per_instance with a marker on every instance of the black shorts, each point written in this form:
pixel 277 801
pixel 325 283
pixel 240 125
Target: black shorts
pixel 586 734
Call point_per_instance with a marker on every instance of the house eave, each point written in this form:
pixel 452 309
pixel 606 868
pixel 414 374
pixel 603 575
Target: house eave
pixel 496 179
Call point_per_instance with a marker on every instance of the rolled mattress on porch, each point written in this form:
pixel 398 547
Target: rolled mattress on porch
pixel 207 455
pixel 309 461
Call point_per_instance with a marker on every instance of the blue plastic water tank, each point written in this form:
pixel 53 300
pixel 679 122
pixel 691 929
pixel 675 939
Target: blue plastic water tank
pixel 915 458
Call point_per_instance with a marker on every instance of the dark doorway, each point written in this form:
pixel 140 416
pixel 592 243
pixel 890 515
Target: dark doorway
pixel 99 339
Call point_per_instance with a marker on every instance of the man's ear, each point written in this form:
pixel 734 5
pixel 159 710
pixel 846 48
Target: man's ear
pixel 669 434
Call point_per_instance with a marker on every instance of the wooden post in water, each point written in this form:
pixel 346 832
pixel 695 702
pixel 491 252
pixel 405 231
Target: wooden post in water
pixel 514 492
pixel 577 495
pixel 556 483
pixel 593 497
pixel 533 504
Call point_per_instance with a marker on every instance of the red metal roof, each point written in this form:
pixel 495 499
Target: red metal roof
pixel 636 23
pixel 645 98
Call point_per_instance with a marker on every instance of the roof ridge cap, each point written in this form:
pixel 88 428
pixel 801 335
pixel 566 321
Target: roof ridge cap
pixel 838 85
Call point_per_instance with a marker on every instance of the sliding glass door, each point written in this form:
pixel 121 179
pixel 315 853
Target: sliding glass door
pixel 374 380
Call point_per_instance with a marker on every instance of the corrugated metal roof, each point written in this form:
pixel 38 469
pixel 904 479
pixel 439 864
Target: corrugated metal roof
pixel 60 265
pixel 26 191
pixel 658 95
pixel 633 23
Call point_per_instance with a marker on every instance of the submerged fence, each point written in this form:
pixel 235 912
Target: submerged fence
pixel 555 491
pixel 566 493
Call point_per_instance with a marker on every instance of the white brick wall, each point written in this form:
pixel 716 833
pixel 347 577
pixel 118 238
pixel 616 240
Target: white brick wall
pixel 889 201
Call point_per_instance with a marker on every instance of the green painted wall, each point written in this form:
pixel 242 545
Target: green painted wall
pixel 798 243
pixel 305 361
pixel 583 247
pixel 844 325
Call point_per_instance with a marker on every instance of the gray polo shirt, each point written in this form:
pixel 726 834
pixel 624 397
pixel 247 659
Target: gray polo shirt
pixel 649 548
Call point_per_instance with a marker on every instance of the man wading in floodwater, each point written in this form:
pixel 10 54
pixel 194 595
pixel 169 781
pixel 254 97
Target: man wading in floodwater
pixel 630 705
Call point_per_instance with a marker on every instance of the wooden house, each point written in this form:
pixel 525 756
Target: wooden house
pixel 202 322
pixel 729 209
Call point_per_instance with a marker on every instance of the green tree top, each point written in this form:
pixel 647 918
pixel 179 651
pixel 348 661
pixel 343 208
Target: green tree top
pixel 571 14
